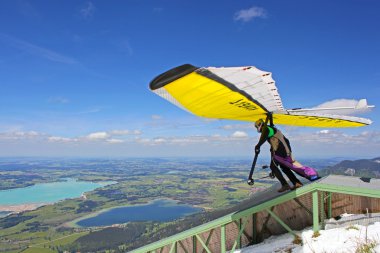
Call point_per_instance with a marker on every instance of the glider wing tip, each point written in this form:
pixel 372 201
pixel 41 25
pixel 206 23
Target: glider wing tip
pixel 171 75
pixel 365 122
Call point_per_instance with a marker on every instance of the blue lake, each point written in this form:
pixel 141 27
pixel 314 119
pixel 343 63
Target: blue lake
pixel 158 210
pixel 48 192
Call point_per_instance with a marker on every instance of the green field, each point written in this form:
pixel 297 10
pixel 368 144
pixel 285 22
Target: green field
pixel 208 184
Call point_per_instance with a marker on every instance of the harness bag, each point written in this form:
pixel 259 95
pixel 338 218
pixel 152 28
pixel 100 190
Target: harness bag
pixel 289 161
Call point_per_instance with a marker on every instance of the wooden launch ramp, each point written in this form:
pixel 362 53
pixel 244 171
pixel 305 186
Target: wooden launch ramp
pixel 270 213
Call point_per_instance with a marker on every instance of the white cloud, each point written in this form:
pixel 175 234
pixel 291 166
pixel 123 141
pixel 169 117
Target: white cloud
pixel 159 140
pixel 98 136
pixel 119 132
pixel 249 14
pixel 214 139
pixel 36 50
pixel 239 134
pixel 58 100
pixel 143 140
pixel 238 126
pixel 88 10
pixel 101 136
pixel 227 127
pixel 323 142
pixel 137 132
pixel 335 137
pixel 90 110
pixel 191 139
pixel 61 139
pixel 28 134
pixel 125 45
pixel 208 120
pixel 114 141
pixel 156 117
pixel 124 132
pixel 21 135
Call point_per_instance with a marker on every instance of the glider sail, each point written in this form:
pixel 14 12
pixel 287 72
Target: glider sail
pixel 237 93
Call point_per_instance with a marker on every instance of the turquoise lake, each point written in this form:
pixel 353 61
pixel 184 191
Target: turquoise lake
pixel 158 210
pixel 48 192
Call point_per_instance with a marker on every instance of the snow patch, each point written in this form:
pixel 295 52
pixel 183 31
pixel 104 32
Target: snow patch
pixel 346 215
pixel 338 240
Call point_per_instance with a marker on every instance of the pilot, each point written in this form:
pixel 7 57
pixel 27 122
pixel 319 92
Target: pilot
pixel 281 155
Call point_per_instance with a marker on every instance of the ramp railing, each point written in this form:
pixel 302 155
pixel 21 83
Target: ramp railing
pixel 240 228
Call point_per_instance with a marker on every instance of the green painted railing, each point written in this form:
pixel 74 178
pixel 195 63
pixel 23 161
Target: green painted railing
pixel 220 223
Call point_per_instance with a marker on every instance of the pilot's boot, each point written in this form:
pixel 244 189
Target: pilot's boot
pixel 283 188
pixel 296 185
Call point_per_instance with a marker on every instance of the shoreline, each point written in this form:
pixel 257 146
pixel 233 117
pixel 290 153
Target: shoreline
pixel 17 208
pixel 73 223
pixel 21 207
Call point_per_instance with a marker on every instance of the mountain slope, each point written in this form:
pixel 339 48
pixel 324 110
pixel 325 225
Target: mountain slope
pixel 358 168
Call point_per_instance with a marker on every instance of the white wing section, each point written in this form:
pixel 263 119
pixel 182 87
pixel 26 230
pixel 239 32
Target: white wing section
pixel 256 83
pixel 166 95
pixel 339 107
pixel 321 117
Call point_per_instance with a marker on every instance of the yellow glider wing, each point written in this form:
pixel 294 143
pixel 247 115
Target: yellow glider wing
pixel 236 93
pixel 204 93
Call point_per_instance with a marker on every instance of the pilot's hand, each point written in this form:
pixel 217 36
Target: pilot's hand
pixel 257 149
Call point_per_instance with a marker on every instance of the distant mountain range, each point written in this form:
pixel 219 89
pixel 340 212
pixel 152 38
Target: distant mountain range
pixel 359 168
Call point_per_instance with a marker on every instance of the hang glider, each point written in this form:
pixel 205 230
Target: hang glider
pixel 242 93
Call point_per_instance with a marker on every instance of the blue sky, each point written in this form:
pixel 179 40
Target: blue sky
pixel 74 75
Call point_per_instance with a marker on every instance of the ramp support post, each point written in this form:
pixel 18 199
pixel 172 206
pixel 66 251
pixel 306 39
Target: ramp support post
pixel 208 238
pixel 283 224
pixel 239 239
pixel 323 214
pixel 254 228
pixel 239 235
pixel 303 206
pixel 194 244
pixel 238 224
pixel 173 248
pixel 315 211
pixel 183 247
pixel 329 208
pixel 203 244
pixel 223 239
